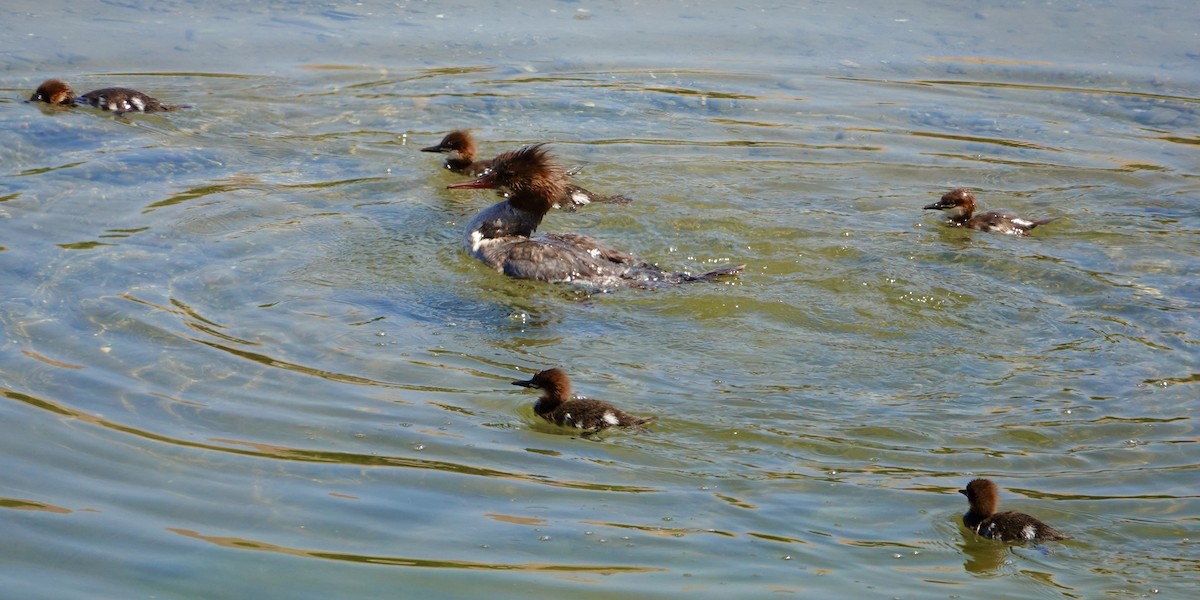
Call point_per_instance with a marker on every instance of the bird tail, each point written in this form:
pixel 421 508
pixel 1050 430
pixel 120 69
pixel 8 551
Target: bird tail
pixel 649 276
pixel 618 199
pixel 714 275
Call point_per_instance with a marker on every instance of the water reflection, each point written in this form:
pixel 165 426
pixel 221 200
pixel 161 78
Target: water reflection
pixel 396 561
pixel 260 450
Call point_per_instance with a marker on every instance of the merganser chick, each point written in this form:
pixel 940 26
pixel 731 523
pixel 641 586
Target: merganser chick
pixel 983 519
pixel 122 100
pixel 961 203
pixel 54 91
pixel 500 235
pixel 116 99
pixel 460 145
pixel 558 406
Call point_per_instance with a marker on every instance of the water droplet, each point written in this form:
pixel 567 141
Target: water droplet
pixel 787 557
pixel 896 556
pixel 543 538
pixel 418 447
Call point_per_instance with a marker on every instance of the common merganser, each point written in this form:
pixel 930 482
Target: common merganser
pixel 960 203
pixel 461 148
pixel 500 236
pixel 558 406
pixel 116 99
pixel 983 519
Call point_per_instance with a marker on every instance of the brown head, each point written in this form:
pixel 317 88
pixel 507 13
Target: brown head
pixel 960 202
pixel 553 382
pixel 54 91
pixel 456 141
pixel 983 495
pixel 530 175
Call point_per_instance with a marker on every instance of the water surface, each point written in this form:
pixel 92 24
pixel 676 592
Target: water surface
pixel 245 354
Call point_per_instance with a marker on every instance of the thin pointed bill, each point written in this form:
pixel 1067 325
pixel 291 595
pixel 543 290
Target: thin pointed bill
pixel 478 183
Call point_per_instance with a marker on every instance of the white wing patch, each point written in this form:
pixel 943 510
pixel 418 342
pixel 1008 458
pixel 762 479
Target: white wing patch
pixel 580 198
pixel 610 418
pixel 476 240
pixel 1028 532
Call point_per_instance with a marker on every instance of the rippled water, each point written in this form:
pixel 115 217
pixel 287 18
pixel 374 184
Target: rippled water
pixel 245 355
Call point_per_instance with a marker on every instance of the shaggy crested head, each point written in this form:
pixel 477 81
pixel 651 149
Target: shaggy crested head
pixel 530 169
pixel 533 179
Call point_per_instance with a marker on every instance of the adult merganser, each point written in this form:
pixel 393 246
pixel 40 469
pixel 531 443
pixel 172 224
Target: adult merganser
pixel 500 236
pixel 115 99
pixel 558 406
pixel 961 203
pixel 460 145
pixel 1009 526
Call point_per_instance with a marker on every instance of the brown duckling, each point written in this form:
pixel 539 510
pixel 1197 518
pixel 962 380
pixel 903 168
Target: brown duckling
pixel 960 204
pixel 558 406
pixel 116 99
pixel 1009 526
